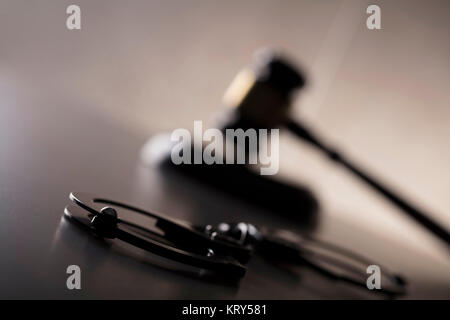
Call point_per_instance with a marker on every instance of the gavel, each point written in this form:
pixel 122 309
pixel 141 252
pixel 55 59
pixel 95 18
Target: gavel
pixel 261 96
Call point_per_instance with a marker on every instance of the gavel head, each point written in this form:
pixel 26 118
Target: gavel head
pixel 261 94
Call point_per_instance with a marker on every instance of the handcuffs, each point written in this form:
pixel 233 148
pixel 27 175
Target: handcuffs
pixel 226 248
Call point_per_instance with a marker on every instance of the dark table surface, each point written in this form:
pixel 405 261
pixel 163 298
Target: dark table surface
pixel 47 152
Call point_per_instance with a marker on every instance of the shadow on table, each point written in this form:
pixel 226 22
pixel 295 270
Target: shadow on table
pixel 294 204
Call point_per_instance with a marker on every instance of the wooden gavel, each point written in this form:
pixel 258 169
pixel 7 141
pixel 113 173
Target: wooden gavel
pixel 261 96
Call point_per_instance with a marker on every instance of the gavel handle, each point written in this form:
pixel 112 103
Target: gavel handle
pixel 418 215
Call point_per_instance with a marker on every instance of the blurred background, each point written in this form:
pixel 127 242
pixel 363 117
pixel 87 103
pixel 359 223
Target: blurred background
pixel 152 66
